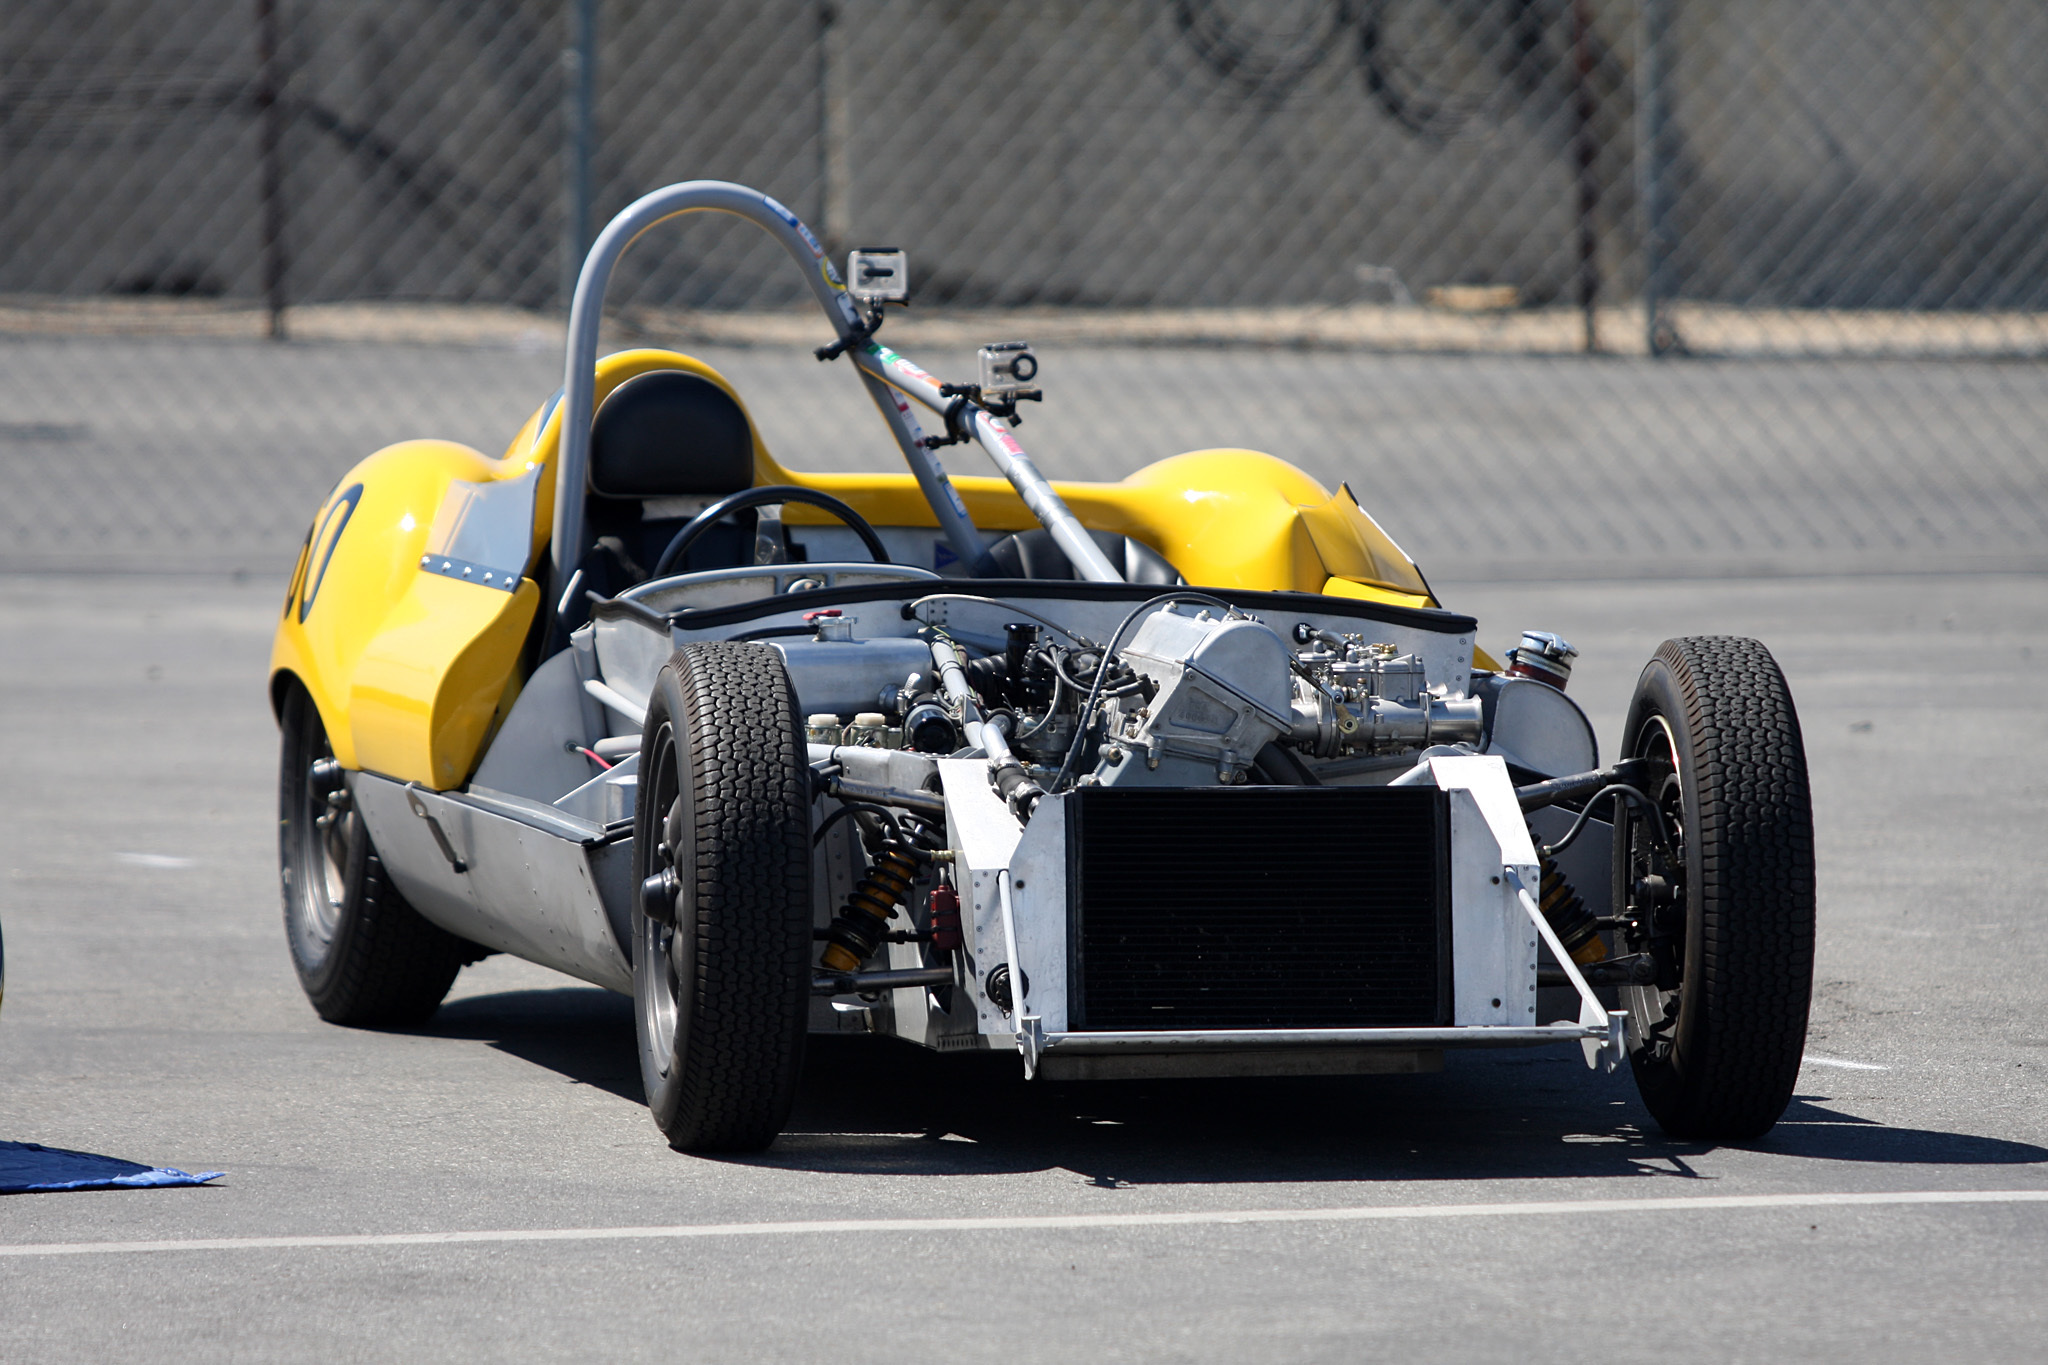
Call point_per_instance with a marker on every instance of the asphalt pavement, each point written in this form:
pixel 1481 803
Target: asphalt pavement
pixel 1516 1206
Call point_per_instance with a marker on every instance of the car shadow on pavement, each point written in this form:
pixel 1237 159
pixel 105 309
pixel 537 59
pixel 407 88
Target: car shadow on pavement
pixel 580 1032
pixel 879 1106
pixel 873 1106
pixel 1811 1129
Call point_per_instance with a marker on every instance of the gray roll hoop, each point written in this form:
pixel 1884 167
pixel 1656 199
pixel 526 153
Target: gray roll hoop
pixel 883 373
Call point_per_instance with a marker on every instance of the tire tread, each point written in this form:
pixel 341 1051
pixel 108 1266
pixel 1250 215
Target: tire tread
pixel 1743 1026
pixel 750 804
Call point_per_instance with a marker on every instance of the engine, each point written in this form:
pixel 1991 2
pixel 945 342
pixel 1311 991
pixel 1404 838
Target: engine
pixel 1194 698
pixel 1223 688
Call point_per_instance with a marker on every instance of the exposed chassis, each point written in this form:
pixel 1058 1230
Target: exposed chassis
pixel 550 880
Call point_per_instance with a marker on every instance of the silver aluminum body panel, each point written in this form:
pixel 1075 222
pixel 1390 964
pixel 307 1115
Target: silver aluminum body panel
pixel 1533 725
pixel 529 756
pixel 1493 962
pixel 483 532
pixel 531 889
pixel 984 835
pixel 1493 969
pixel 1038 901
pixel 630 653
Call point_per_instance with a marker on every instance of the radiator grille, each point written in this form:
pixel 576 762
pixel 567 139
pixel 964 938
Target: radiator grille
pixel 1258 907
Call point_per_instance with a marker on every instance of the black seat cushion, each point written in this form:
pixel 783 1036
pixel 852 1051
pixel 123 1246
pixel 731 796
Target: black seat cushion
pixel 669 433
pixel 1034 554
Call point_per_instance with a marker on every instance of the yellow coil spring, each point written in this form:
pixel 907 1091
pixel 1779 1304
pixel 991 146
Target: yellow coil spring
pixel 858 928
pixel 1575 925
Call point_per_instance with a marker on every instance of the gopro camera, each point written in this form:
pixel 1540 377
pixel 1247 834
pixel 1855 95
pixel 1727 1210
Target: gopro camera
pixel 878 274
pixel 1007 368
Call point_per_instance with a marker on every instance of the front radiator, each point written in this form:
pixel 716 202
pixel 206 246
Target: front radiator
pixel 1258 907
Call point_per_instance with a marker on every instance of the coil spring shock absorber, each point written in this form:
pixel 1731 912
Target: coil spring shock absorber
pixel 1575 925
pixel 858 929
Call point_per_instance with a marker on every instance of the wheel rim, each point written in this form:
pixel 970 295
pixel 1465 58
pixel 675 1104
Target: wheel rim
pixel 1654 1009
pixel 656 983
pixel 331 828
pixel 658 993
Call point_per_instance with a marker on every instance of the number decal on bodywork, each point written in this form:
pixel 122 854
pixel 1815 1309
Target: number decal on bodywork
pixel 325 539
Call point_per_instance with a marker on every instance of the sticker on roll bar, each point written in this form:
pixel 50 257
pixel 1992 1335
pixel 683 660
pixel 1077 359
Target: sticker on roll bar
pixel 775 207
pixel 810 240
pixel 901 364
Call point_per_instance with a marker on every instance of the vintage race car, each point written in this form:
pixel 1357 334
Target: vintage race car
pixel 1187 775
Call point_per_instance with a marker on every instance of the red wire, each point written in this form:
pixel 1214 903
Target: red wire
pixel 591 754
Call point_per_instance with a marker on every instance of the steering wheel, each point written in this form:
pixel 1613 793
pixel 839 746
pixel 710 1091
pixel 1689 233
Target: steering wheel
pixel 758 497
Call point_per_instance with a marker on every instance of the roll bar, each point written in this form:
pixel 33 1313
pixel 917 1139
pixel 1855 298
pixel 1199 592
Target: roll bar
pixel 886 376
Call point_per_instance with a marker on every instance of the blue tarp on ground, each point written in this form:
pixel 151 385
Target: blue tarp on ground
pixel 28 1166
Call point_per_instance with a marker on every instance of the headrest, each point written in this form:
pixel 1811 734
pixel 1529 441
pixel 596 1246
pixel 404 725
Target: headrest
pixel 668 433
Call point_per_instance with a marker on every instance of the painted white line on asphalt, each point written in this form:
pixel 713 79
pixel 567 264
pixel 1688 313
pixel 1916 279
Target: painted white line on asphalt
pixel 1810 1059
pixel 1047 1222
pixel 156 860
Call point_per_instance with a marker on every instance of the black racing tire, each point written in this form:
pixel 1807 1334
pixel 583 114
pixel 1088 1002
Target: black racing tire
pixel 722 996
pixel 1728 915
pixel 364 957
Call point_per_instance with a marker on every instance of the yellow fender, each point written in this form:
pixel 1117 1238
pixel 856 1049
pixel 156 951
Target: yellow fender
pixel 406 668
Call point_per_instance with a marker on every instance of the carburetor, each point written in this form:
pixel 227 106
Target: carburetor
pixel 1356 696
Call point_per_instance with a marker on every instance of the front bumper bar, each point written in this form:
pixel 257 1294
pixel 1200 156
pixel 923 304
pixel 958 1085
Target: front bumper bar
pixel 1230 1040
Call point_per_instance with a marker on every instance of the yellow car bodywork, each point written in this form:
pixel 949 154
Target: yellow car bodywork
pixel 411 671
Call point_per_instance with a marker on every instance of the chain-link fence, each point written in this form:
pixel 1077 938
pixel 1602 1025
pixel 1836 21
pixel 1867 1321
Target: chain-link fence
pixel 1599 285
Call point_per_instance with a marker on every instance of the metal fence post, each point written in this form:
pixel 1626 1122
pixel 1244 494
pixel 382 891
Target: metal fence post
pixel 270 114
pixel 1653 53
pixel 835 168
pixel 579 127
pixel 1586 155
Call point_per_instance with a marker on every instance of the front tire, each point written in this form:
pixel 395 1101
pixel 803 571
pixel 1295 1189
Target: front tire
pixel 722 994
pixel 363 956
pixel 1728 914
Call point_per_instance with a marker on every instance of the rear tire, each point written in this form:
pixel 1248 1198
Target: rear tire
pixel 722 996
pixel 364 956
pixel 1716 1043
